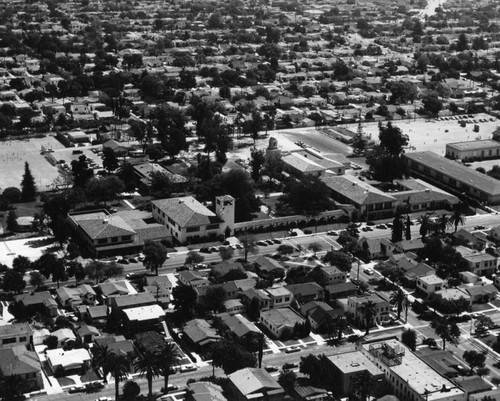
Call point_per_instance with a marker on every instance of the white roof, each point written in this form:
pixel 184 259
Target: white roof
pixel 144 312
pixel 68 359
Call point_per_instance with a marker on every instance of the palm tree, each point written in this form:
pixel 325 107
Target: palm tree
pixel 368 310
pixel 101 355
pixel 443 221
pixel 398 298
pixel 147 363
pixel 425 222
pixel 457 218
pixel 363 384
pixel 118 366
pixel 167 357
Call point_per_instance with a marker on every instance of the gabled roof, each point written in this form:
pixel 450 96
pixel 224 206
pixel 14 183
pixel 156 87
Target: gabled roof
pixel 239 325
pixel 18 361
pixel 268 264
pixel 200 332
pixel 111 226
pixel 305 289
pixel 186 211
pixel 253 380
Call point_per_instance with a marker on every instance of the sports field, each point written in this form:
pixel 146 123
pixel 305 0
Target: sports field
pixel 13 154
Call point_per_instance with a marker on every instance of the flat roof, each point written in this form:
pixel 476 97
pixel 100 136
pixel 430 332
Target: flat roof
pixel 351 362
pixel 420 376
pixel 474 145
pixel 144 312
pixel 457 171
pixel 431 279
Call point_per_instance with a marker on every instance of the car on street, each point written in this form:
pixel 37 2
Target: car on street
pixel 368 270
pixel 290 350
pixel 262 243
pixel 188 368
pixel 277 241
pixel 93 387
pixel 271 369
pixel 479 227
pixel 76 389
pixel 105 399
pixel 171 387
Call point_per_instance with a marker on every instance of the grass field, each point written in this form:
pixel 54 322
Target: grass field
pixel 13 154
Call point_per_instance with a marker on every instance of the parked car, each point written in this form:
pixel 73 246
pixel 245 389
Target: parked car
pixel 277 241
pixel 271 368
pixel 188 368
pixel 290 365
pixel 171 387
pixel 93 387
pixel 368 270
pixel 135 276
pixel 270 242
pixel 290 350
pixel 261 243
pixel 205 250
pixel 77 389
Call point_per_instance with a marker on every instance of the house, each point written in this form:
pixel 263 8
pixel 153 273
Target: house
pixel 205 391
pixel 145 171
pixel 117 345
pixel 374 248
pixel 229 290
pixel 429 284
pixel 482 264
pixel 239 326
pixel 306 292
pixel 71 298
pixel 480 293
pixel 269 268
pixel 341 290
pixel 73 361
pixel 64 336
pixel 348 365
pixel 96 315
pixel 192 279
pixel 149 340
pixel 103 234
pixel 319 314
pixel 15 334
pixel 279 297
pixel 329 275
pixel 233 306
pixel 19 362
pixel 224 267
pixel 254 384
pixel 119 149
pixel 143 318
pixel 310 393
pixel 188 220
pixel 160 287
pixel 123 302
pixel 454 294
pixel 415 271
pixel 262 297
pixel 381 312
pixel 280 322
pixel 111 288
pixel 38 302
pixel 87 334
pixel 200 333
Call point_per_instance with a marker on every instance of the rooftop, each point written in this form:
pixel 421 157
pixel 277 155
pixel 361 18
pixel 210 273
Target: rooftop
pixel 253 380
pixel 186 211
pixel 352 362
pixel 142 313
pixel 474 145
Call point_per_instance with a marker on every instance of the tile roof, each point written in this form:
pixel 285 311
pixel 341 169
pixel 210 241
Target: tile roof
pixel 18 361
pixel 239 325
pixel 102 225
pixel 186 211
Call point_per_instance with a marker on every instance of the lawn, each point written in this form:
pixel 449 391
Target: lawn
pixel 65 381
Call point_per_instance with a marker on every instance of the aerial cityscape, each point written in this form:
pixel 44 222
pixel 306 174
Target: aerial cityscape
pixel 250 200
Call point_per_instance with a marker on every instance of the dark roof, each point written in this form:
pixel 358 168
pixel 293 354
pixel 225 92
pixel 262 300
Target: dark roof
pixel 18 361
pixel 305 289
pixel 341 288
pixel 473 384
pixel 102 225
pixel 133 300
pixel 150 340
pixel 268 264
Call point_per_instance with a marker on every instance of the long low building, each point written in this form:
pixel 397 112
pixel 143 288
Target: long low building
pixel 453 175
pixel 473 150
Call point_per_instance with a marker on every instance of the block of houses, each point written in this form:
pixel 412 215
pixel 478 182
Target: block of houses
pixel 71 298
pixel 200 333
pixel 143 318
pixel 280 322
pixel 269 268
pixel 189 220
pixel 429 284
pixel 19 362
pixel 15 334
pixel 306 292
pixel 348 365
pixel 254 384
pixel 381 313
pixel 38 302
pixel 73 361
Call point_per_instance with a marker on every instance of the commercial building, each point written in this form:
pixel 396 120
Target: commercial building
pixel 188 220
pixel 308 162
pixel 473 150
pixel 453 175
pixel 411 379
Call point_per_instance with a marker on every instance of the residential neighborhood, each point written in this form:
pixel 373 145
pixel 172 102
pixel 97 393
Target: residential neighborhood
pixel 242 200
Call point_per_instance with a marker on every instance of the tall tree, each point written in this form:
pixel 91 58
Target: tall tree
pixel 447 330
pixel 147 364
pixel 409 338
pixel 475 359
pixel 81 170
pixel 155 255
pixel 248 243
pixel 397 229
pixel 13 281
pixel 398 298
pixel 168 357
pixel 443 221
pixel 257 160
pixel 408 228
pixel 28 187
pixel 457 218
pixel 184 299
pixel 109 159
pixel 368 310
pixel 12 224
pixel 101 356
pixel 36 279
pixel 363 385
pixel 425 222
pixel 118 366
